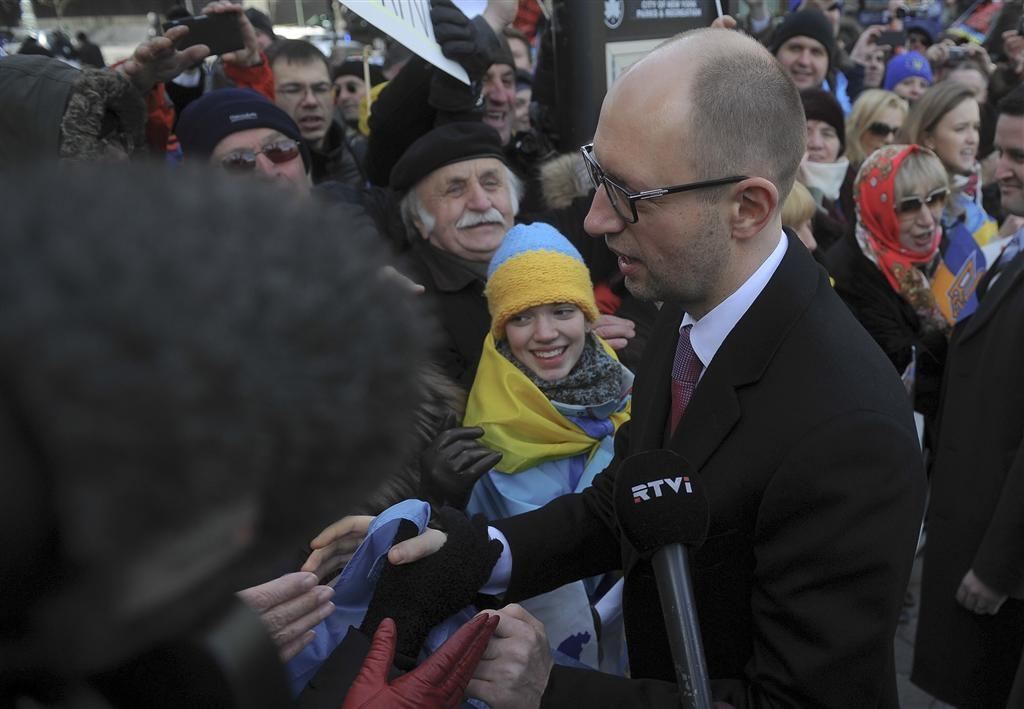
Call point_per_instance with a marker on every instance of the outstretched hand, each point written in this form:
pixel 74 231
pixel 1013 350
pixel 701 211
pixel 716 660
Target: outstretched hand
pixel 451 465
pixel 290 606
pixel 250 55
pixel 156 60
pixel 439 683
pixel 335 545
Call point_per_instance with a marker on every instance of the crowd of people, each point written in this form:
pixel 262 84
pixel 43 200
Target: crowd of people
pixel 391 319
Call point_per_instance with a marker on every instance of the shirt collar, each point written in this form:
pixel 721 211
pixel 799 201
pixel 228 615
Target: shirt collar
pixel 708 333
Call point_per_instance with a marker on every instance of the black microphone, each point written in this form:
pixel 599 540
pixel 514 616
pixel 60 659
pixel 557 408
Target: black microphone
pixel 662 511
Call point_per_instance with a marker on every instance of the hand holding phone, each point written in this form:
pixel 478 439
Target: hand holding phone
pixel 892 38
pixel 220 32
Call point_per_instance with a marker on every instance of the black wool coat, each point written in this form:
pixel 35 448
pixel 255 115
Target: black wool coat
pixel 802 438
pixel 976 512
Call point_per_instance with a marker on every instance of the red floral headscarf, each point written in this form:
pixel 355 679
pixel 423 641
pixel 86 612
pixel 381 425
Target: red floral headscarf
pixel 878 228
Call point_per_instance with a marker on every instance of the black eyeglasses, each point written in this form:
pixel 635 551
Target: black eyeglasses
pixel 245 160
pixel 912 205
pixel 624 202
pixel 883 130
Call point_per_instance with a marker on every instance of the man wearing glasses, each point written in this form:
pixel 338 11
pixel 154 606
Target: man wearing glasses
pixel 303 90
pixel 793 422
pixel 241 131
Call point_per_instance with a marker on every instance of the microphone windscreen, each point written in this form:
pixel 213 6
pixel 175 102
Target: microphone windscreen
pixel 658 501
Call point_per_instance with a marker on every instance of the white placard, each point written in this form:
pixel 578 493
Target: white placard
pixel 619 56
pixel 408 21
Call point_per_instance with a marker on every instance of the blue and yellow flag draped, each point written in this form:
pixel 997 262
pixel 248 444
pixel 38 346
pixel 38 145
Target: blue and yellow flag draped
pixel 519 421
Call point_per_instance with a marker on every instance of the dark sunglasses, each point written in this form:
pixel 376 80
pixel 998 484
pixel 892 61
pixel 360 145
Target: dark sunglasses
pixel 883 130
pixel 245 160
pixel 624 202
pixel 912 205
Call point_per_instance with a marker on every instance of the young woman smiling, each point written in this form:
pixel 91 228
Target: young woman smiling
pixel 947 120
pixel 549 395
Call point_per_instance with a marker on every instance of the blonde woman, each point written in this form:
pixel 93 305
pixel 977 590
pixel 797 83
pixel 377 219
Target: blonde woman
pixel 875 121
pixel 798 212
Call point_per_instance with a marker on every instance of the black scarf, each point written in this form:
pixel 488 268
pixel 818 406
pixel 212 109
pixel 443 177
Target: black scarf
pixel 595 379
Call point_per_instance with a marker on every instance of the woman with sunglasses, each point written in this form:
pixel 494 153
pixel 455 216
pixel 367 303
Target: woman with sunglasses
pixel 876 118
pixel 884 269
pixel 549 395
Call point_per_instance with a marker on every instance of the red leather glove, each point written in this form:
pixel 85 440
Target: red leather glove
pixel 439 683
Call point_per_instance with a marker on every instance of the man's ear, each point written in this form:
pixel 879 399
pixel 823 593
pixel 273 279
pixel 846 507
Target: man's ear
pixel 755 201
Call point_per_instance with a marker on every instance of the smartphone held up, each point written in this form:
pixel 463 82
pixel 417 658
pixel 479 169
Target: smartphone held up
pixel 220 32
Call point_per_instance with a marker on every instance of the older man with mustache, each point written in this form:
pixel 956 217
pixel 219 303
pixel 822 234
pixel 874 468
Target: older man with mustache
pixel 459 198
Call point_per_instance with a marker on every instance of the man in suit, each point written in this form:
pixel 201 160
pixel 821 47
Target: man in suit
pixel 970 632
pixel 795 423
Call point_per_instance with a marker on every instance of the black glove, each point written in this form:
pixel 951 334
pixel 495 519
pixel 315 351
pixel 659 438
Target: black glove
pixel 460 39
pixel 452 464
pixel 421 594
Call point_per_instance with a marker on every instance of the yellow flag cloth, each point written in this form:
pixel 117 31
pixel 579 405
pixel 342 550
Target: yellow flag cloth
pixel 519 421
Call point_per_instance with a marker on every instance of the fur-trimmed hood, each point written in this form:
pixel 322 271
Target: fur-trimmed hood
pixel 53 110
pixel 563 178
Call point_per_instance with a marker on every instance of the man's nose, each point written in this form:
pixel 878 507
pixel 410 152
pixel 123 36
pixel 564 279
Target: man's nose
pixel 265 167
pixel 479 199
pixel 1003 170
pixel 308 97
pixel 602 218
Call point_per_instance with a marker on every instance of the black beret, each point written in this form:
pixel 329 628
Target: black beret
pixel 447 144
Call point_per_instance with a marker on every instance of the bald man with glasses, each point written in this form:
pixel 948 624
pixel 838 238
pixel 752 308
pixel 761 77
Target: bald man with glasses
pixel 794 424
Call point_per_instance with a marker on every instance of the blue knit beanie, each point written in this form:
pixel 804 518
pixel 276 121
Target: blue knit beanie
pixel 536 265
pixel 217 114
pixel 904 66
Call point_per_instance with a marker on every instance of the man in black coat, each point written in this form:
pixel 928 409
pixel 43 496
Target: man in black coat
pixel 970 632
pixel 795 424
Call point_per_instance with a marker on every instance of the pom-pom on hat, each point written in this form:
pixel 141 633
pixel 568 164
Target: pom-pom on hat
pixel 904 66
pixel 536 265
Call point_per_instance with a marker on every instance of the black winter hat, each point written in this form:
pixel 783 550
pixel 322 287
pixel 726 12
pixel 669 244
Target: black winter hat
pixel 217 114
pixel 447 144
pixel 354 67
pixel 820 105
pixel 806 23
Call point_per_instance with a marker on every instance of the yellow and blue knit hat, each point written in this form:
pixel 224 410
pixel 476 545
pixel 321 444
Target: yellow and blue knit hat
pixel 536 265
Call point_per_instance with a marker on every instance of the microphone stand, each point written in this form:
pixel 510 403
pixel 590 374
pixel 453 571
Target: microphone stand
pixel 672 569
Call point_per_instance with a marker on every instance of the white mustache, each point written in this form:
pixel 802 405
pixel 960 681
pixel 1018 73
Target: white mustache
pixel 470 219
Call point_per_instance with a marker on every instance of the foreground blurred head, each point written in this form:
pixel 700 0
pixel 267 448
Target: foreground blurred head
pixel 189 388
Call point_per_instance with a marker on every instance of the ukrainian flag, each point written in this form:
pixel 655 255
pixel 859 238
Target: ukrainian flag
pixel 961 266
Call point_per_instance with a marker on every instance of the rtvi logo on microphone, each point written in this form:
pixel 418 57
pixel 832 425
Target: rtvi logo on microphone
pixel 643 491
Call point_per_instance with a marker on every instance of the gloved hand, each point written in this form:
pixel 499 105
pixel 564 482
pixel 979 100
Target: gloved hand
pixel 439 683
pixel 420 594
pixel 452 464
pixel 461 39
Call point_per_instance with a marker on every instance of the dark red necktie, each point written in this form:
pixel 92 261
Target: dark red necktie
pixel 686 369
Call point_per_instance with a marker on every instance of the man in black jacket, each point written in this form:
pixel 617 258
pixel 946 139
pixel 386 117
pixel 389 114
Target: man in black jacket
pixel 971 629
pixel 794 423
